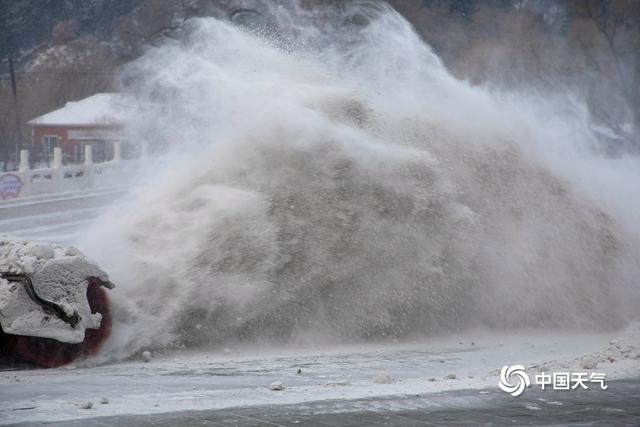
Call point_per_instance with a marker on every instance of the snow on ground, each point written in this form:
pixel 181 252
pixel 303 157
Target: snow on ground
pixel 620 358
pixel 227 378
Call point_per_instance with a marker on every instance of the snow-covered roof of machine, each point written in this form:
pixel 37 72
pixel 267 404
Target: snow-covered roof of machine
pixel 102 109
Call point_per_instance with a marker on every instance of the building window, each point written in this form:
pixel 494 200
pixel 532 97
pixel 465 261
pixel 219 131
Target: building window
pixel 49 142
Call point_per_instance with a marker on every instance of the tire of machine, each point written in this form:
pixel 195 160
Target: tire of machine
pixel 49 353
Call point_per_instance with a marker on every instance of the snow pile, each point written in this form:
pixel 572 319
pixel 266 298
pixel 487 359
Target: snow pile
pixel 59 275
pixel 619 359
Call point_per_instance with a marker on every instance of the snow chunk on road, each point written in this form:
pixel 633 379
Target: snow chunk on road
pixel 383 378
pixel 277 386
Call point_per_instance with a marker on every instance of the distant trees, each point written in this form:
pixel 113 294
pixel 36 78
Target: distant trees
pixel 588 47
pixel 64 31
pixel 617 27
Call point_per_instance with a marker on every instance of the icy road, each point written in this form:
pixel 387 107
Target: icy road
pixel 383 378
pixel 53 218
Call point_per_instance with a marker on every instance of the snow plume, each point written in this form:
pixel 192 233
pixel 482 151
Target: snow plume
pixel 323 177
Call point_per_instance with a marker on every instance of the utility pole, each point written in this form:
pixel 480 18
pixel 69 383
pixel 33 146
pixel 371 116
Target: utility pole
pixel 14 91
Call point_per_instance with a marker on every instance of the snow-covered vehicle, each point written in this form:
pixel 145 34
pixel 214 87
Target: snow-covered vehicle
pixel 53 304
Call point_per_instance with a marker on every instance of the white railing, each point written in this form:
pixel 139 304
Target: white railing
pixel 27 182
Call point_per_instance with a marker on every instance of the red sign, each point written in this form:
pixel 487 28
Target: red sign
pixel 10 185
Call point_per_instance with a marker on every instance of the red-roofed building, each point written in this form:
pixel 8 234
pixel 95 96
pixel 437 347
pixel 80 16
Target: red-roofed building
pixel 96 121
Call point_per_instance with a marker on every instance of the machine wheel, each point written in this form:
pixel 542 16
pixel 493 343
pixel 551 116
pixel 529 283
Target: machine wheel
pixel 49 353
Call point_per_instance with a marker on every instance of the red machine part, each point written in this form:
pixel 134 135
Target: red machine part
pixel 49 353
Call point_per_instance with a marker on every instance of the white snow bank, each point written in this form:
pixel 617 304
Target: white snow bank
pixel 619 358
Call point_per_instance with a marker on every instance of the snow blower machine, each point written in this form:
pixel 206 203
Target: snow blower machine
pixel 53 304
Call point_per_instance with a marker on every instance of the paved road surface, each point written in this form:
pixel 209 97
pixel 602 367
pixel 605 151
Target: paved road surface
pixel 618 405
pixel 54 218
